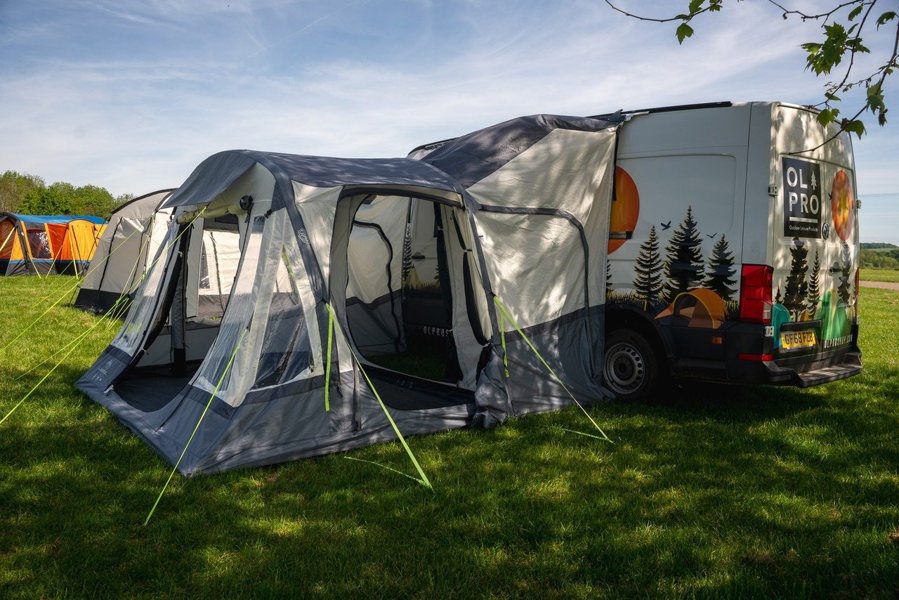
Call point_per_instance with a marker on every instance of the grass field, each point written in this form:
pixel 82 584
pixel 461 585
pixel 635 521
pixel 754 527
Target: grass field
pixel 733 492
pixel 889 275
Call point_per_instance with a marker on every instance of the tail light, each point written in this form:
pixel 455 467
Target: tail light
pixel 755 293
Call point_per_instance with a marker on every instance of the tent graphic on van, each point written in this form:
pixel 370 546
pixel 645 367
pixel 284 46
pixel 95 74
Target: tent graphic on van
pixel 698 308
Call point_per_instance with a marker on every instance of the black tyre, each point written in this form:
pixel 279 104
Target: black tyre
pixel 631 367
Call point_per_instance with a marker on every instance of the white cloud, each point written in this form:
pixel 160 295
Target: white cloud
pixel 281 76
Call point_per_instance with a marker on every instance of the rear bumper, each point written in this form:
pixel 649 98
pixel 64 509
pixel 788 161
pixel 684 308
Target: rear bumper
pixel 750 358
pixel 825 371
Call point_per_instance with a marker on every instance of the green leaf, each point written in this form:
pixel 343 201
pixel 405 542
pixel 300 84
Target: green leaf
pixel 875 98
pixel 827 116
pixel 683 32
pixel 695 6
pixel 855 12
pixel 885 18
pixel 854 126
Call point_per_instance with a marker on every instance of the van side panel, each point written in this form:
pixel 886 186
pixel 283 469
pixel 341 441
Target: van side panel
pixel 702 193
pixel 676 253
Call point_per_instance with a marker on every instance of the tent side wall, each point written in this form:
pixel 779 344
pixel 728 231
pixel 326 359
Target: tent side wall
pixel 78 246
pixel 12 255
pixel 122 251
pixel 541 202
pixel 28 246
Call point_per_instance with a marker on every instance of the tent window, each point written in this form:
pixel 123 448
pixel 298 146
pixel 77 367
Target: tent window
pixel 39 243
pixel 7 239
pixel 219 256
pixel 285 351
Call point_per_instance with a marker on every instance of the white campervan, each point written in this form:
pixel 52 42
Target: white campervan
pixel 733 253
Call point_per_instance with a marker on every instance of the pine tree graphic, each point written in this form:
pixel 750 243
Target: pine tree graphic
pixel 648 285
pixel 843 290
pixel 814 292
pixel 720 275
pixel 683 263
pixel 609 289
pixel 797 286
pixel 407 253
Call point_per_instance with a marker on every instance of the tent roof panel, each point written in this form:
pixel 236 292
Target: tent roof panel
pixel 474 156
pixel 218 171
pixel 53 218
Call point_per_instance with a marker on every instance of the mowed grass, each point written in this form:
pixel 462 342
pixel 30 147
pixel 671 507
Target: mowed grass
pixel 887 275
pixel 714 491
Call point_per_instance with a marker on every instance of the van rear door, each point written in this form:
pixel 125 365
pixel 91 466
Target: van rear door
pixel 813 242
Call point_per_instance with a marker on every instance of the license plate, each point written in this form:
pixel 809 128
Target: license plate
pixel 795 340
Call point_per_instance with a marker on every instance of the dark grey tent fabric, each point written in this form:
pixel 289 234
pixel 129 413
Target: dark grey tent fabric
pixel 471 157
pixel 219 171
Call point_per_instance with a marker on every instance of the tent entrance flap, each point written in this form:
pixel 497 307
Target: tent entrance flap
pixel 181 310
pixel 405 288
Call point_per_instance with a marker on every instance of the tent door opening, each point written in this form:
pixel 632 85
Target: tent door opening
pixel 410 289
pixel 187 315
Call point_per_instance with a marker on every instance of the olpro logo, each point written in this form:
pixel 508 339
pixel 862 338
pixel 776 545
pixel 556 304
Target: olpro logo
pixel 802 198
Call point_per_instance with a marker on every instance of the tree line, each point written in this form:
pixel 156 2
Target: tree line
pixel 28 194
pixel 880 256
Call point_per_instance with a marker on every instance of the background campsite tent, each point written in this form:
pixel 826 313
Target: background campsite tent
pixel 135 231
pixel 305 312
pixel 132 239
pixel 40 244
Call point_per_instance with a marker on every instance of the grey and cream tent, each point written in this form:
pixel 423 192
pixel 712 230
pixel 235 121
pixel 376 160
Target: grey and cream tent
pixel 132 238
pixel 321 304
pixel 134 233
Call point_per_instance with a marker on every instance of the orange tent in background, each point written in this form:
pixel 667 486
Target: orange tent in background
pixel 73 244
pixel 39 244
pixel 700 307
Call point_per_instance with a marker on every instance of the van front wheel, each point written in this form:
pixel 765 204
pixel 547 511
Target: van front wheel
pixel 631 367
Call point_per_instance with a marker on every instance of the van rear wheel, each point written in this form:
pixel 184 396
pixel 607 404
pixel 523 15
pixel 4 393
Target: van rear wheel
pixel 631 366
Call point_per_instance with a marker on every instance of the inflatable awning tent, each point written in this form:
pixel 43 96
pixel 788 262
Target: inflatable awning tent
pixel 132 238
pixel 522 212
pixel 41 244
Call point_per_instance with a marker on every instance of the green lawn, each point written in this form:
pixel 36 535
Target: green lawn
pixel 880 275
pixel 735 492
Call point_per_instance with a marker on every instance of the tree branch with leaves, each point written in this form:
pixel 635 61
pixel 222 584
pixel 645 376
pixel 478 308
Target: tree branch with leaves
pixel 844 27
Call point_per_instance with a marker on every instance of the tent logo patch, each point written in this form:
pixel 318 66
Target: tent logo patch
pixel 802 198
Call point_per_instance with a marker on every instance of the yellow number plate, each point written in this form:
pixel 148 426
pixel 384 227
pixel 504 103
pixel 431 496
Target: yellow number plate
pixel 794 340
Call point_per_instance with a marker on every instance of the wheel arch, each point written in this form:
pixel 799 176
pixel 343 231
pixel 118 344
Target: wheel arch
pixel 638 321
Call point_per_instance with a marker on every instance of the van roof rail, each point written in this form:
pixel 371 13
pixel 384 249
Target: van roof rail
pixel 662 109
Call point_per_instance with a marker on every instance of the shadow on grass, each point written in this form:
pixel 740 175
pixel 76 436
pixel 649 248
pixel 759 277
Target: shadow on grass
pixel 718 491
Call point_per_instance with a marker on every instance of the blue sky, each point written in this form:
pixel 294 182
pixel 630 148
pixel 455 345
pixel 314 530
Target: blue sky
pixel 132 96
